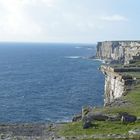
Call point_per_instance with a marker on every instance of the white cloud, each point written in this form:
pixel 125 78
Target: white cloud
pixel 15 23
pixel 51 20
pixel 114 18
pixel 48 3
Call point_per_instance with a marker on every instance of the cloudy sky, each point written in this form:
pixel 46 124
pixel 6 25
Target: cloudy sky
pixel 85 21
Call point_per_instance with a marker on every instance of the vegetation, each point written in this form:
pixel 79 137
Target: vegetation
pixel 133 74
pixel 106 127
pixel 102 127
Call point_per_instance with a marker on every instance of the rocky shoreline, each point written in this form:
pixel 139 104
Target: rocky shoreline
pixel 29 131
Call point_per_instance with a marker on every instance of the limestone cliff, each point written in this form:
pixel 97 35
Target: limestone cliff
pixel 116 84
pixel 118 51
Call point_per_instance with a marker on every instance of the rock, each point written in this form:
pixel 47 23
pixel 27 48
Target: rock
pixel 96 117
pixel 87 124
pixel 138 119
pixel 119 102
pixel 77 118
pixel 114 118
pixel 120 114
pixel 85 111
pixel 118 51
pixel 110 136
pixel 126 118
pixel 134 132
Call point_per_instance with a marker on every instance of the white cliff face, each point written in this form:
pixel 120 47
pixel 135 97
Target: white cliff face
pixel 115 84
pixel 114 87
pixel 119 51
pixel 131 51
pixel 122 52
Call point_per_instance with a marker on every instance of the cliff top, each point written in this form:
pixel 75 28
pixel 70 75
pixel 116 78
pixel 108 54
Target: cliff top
pixel 114 41
pixel 129 103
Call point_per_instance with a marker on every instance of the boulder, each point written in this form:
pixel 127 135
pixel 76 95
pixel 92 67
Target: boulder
pixel 77 118
pixel 120 114
pixel 96 117
pixel 128 118
pixel 99 117
pixel 114 118
pixel 134 132
pixel 87 124
pixel 86 111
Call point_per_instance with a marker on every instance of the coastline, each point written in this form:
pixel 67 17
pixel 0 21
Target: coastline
pixel 122 87
pixel 104 122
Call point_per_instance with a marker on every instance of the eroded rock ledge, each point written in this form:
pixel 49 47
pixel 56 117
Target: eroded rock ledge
pixel 116 82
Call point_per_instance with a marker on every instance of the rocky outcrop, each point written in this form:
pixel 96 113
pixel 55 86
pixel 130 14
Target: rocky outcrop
pixel 118 51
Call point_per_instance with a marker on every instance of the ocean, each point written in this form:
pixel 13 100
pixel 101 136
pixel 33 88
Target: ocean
pixel 42 82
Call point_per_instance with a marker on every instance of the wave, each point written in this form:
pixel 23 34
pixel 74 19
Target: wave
pixel 89 48
pixel 65 120
pixel 78 47
pixel 103 61
pixel 73 57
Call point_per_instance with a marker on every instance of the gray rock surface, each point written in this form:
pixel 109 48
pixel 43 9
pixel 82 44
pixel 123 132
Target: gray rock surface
pixel 77 118
pixel 135 132
pixel 87 124
pixel 126 118
pixel 96 117
pixel 29 131
pixel 116 85
pixel 118 51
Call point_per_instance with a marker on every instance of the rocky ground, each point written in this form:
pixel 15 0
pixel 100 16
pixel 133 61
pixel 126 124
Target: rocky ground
pixel 28 131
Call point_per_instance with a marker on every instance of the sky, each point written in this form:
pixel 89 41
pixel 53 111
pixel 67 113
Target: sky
pixel 73 21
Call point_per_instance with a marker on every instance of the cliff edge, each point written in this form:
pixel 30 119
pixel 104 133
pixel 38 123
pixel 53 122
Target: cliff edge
pixel 118 51
pixel 120 117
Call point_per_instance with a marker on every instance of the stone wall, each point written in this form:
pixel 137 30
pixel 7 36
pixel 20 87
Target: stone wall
pixel 118 51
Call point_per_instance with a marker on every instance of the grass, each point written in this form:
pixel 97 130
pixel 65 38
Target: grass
pixel 133 74
pixel 133 97
pixel 105 127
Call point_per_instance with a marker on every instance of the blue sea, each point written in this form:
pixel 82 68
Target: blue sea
pixel 47 82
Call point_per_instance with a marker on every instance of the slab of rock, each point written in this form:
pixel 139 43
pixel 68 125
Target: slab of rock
pixel 134 132
pixel 114 118
pixel 96 117
pixel 126 118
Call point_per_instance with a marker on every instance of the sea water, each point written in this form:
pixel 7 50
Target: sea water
pixel 47 82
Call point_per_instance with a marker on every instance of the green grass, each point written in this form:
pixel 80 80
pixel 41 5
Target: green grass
pixel 104 127
pixel 133 97
pixel 133 74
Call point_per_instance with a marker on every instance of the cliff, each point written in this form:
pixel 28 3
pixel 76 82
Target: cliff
pixel 118 51
pixel 121 97
pixel 117 82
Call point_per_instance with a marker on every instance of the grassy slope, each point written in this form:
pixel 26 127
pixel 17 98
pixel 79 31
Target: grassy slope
pixel 75 129
pixel 134 97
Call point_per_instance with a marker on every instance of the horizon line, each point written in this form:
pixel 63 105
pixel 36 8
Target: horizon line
pixel 43 42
